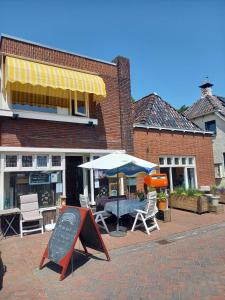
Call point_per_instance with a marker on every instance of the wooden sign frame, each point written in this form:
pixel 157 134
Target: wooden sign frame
pixel 87 223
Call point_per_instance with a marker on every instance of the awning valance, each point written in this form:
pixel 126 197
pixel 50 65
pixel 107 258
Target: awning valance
pixel 27 76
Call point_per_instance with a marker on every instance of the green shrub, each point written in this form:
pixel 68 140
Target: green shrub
pixel 161 197
pixel 189 192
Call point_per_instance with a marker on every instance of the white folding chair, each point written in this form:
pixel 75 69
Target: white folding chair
pixel 30 213
pixel 100 216
pixel 147 214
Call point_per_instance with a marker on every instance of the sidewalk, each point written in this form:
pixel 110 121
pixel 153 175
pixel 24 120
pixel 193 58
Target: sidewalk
pixel 22 256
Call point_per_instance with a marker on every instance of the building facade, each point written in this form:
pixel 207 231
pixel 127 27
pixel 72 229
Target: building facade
pixel 209 114
pixel 181 149
pixel 58 110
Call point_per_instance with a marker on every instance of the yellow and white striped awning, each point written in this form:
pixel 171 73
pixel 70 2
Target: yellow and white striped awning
pixel 31 77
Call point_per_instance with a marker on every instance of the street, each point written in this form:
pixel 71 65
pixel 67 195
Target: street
pixel 187 265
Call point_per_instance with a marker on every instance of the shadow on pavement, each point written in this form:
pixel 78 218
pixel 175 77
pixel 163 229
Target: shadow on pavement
pixel 79 259
pixel 2 272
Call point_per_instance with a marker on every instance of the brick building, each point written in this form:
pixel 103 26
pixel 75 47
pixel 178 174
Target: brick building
pixel 57 110
pixel 163 136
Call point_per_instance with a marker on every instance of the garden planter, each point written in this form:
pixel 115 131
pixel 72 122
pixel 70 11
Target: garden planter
pixel 198 204
pixel 162 205
pixel 222 198
pixel 214 200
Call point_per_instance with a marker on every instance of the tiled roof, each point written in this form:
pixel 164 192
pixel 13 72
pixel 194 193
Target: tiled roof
pixel 152 111
pixel 206 105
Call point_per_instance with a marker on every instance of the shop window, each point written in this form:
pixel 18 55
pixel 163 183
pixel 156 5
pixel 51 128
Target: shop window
pixel 56 161
pixel 161 160
pixel 11 161
pixel 47 185
pixel 27 161
pixel 42 161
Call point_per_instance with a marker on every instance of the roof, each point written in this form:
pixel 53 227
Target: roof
pixel 2 35
pixel 206 105
pixel 153 111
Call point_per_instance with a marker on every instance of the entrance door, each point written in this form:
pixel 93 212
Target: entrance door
pixel 74 180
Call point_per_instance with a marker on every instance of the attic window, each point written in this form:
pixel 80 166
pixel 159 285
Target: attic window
pixel 211 126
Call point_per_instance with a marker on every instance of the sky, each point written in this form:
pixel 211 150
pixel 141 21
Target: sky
pixel 172 45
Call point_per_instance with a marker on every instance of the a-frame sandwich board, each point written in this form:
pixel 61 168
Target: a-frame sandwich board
pixel 73 223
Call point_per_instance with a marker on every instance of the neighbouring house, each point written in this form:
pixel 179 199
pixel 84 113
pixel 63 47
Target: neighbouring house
pixel 164 136
pixel 57 110
pixel 209 114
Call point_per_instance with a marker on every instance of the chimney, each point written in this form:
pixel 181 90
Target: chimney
pixel 206 88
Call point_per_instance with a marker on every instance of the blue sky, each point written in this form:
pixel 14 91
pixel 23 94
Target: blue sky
pixel 172 44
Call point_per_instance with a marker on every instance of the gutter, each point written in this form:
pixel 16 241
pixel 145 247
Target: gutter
pixel 136 125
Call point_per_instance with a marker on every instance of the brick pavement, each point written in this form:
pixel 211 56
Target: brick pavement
pixel 192 267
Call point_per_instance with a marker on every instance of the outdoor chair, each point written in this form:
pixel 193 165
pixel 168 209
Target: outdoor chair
pixel 147 214
pixel 100 216
pixel 30 213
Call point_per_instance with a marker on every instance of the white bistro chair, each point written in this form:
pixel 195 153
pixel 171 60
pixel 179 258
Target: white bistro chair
pixel 30 213
pixel 100 216
pixel 147 214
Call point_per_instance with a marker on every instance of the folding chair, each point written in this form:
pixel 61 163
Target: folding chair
pixel 147 214
pixel 30 213
pixel 100 216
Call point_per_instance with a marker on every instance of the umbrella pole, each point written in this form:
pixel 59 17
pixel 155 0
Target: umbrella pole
pixel 118 232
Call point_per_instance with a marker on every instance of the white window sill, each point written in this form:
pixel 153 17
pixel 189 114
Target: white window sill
pixel 6 113
pixel 48 208
pixel 47 116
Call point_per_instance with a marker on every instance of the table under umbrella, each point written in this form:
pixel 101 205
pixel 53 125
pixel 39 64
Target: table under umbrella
pixel 117 163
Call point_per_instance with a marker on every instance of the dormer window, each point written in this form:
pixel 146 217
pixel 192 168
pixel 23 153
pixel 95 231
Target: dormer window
pixel 211 126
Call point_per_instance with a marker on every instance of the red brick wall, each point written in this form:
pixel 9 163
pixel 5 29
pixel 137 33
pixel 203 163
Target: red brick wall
pixel 151 144
pixel 34 133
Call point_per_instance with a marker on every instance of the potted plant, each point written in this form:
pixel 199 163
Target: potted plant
pixel 162 201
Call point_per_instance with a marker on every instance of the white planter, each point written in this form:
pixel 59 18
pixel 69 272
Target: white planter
pixel 214 200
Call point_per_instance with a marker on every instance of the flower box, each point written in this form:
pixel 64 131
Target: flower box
pixel 198 204
pixel 222 198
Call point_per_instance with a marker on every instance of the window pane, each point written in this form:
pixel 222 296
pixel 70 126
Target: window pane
pixel 169 161
pixel 161 161
pixel 183 160
pixel 176 161
pixel 81 107
pixel 56 160
pixel 211 126
pixel 42 161
pixel 11 161
pixel 27 161
pixel 190 161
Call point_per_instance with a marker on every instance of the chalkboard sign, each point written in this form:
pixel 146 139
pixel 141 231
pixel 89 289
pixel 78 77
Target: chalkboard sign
pixel 64 234
pixel 39 178
pixel 72 223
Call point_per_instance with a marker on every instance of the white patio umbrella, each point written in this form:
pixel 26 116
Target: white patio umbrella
pixel 116 161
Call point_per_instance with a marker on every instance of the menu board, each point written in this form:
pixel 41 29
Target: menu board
pixel 39 178
pixel 64 234
pixel 73 223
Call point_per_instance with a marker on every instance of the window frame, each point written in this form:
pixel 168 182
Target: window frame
pixel 74 105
